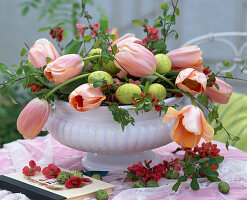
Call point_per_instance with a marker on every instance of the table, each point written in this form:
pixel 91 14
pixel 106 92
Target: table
pixel 45 150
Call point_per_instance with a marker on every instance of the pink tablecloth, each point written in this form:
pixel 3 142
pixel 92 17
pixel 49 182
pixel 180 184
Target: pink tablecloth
pixel 44 150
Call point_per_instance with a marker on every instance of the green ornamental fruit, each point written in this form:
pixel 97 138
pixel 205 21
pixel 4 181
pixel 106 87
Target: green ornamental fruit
pixel 125 93
pixel 224 187
pixel 101 195
pixel 97 176
pixel 111 68
pixel 164 63
pixel 76 173
pixel 172 174
pixel 94 52
pixel 158 90
pixel 138 184
pixel 100 75
pixel 63 177
pixel 152 184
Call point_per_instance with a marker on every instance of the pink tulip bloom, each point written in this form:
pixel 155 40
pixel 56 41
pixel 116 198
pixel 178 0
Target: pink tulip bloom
pixel 33 117
pixel 192 81
pixel 64 68
pixel 222 95
pixel 189 126
pixel 136 60
pixel 86 97
pixel 186 57
pixel 38 53
pixel 129 37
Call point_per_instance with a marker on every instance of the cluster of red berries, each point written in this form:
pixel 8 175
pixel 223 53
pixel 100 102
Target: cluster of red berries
pixel 207 149
pixel 155 173
pixel 57 33
pixel 152 35
pixel 207 72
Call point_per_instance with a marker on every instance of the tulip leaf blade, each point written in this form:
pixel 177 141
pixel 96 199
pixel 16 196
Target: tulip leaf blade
pixel 138 22
pixel 72 47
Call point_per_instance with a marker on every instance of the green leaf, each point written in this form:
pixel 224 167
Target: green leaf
pixel 96 44
pixel 113 37
pixel 136 96
pixel 138 22
pixel 213 179
pixel 4 69
pixel 72 47
pixel 189 170
pixel 164 6
pixel 203 99
pixel 23 52
pixel 104 25
pixel 218 128
pixel 19 71
pixel 25 83
pixel 194 184
pixel 88 38
pixel 219 159
pixel 48 59
pixel 203 160
pixel 43 29
pixel 182 179
pixel 208 171
pixel 176 186
pixel 9 95
pixel 226 63
pixel 145 91
pixel 158 24
pixel 97 84
pixel 177 11
pixel 24 10
pixel 229 75
pixel 114 49
pixel 227 145
pixel 236 138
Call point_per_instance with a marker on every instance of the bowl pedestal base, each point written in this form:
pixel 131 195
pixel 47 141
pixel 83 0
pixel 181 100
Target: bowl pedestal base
pixel 116 162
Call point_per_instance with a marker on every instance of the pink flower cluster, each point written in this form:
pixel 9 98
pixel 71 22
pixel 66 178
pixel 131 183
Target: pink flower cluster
pixel 152 35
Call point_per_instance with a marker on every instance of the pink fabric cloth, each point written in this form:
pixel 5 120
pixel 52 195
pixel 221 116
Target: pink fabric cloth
pixel 45 150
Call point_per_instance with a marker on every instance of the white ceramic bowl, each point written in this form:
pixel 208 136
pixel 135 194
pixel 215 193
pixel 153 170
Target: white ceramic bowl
pixel 95 131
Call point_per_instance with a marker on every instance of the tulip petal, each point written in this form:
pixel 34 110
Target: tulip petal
pixel 208 131
pixel 170 114
pixel 190 139
pixel 192 120
pixel 177 132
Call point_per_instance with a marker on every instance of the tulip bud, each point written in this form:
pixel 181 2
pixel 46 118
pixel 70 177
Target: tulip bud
pixel 158 90
pixel 111 68
pixel 86 97
pixel 33 117
pixel 125 93
pixel 64 68
pixel 136 60
pixel 100 75
pixel 164 63
pixel 186 57
pixel 94 52
pixel 38 53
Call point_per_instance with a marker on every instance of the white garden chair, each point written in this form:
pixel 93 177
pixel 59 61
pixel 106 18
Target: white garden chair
pixel 237 43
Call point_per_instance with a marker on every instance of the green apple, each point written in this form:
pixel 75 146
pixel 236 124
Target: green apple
pixel 125 93
pixel 158 90
pixel 101 75
pixel 111 68
pixel 164 63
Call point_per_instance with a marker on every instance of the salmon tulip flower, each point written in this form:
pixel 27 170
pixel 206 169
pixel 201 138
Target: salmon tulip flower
pixel 64 68
pixel 136 60
pixel 222 95
pixel 129 37
pixel 33 117
pixel 192 81
pixel 38 53
pixel 186 57
pixel 189 126
pixel 86 97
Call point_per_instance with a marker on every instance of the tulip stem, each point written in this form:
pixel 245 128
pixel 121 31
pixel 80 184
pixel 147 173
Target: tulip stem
pixel 183 92
pixel 91 57
pixel 65 83
pixel 165 79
